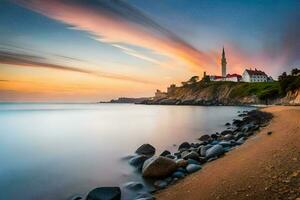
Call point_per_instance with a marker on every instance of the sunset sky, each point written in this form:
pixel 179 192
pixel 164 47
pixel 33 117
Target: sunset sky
pixel 92 50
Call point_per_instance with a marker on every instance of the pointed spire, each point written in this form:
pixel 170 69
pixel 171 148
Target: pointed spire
pixel 223 53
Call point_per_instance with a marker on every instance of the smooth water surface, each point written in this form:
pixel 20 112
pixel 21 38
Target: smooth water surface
pixel 53 151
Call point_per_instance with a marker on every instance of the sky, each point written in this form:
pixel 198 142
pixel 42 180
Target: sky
pixel 95 50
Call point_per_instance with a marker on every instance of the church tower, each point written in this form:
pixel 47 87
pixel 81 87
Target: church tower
pixel 223 63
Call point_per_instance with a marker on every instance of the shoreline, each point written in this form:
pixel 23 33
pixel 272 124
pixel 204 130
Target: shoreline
pixel 265 167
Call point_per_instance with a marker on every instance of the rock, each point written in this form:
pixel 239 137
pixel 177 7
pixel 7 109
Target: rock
pixel 160 184
pixel 170 156
pixel 214 136
pixel 191 161
pixel 191 155
pixel 138 161
pixel 133 185
pixel 178 174
pixel 77 198
pixel 204 149
pixel 181 163
pixel 204 138
pixel 144 196
pixel 226 132
pixel 165 153
pixel 227 124
pixel 184 145
pixel 225 143
pixel 239 135
pixel 269 133
pixel 146 149
pixel 158 167
pixel 240 141
pixel 104 193
pixel 191 168
pixel 228 137
pixel 214 151
pixel 214 142
pixel 168 180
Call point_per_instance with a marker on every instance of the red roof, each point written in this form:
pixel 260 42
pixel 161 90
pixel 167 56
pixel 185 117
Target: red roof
pixel 233 75
pixel 255 72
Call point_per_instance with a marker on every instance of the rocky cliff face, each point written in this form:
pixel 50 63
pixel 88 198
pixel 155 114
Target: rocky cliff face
pixel 218 94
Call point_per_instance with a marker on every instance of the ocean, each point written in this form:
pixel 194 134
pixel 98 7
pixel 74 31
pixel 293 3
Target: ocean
pixel 56 151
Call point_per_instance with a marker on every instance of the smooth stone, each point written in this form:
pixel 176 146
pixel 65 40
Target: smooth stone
pixel 184 145
pixel 105 193
pixel 212 159
pixel 225 143
pixel 204 149
pixel 158 167
pixel 181 163
pixel 76 198
pixel 214 151
pixel 165 153
pixel 228 137
pixel 181 169
pixel 160 184
pixel 214 136
pixel 170 156
pixel 191 161
pixel 168 180
pixel 178 174
pixel 191 168
pixel 240 141
pixel 204 138
pixel 138 161
pixel 146 149
pixel 227 124
pixel 226 132
pixel 133 185
pixel 214 142
pixel 144 196
pixel 191 155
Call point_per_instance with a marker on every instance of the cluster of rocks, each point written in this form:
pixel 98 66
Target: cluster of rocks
pixel 167 168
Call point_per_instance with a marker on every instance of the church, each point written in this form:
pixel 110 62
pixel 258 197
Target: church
pixel 248 75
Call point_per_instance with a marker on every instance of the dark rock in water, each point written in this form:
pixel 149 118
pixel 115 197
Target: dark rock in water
pixel 146 149
pixel 237 122
pixel 191 168
pixel 105 193
pixel 160 184
pixel 165 153
pixel 76 198
pixel 144 196
pixel 204 138
pixel 178 174
pixel 214 151
pixel 138 161
pixel 239 135
pixel 191 155
pixel 158 167
pixel 269 133
pixel 214 136
pixel 181 163
pixel 184 145
pixel 133 186
pixel 226 132
pixel 227 124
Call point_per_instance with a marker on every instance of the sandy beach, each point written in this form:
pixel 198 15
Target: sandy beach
pixel 267 166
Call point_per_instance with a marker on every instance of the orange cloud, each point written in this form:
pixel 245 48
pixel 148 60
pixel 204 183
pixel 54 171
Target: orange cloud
pixel 118 22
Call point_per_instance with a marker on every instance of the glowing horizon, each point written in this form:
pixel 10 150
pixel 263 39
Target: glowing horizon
pixel 92 50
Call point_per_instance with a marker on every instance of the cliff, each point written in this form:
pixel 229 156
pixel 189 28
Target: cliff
pixel 226 93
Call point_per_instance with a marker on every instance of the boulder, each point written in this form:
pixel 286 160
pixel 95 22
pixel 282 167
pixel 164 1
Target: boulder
pixel 205 138
pixel 226 132
pixel 144 196
pixel 181 163
pixel 228 137
pixel 146 149
pixel 178 174
pixel 165 153
pixel 227 124
pixel 203 149
pixel 190 155
pixel 191 168
pixel 158 167
pixel 138 161
pixel 104 193
pixel 184 145
pixel 214 151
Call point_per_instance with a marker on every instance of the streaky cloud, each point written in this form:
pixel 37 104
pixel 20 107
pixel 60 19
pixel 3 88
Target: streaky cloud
pixel 116 21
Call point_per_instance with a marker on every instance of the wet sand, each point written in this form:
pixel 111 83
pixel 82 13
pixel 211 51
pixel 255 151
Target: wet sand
pixel 265 167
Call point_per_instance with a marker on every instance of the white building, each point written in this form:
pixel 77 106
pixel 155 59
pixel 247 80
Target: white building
pixel 254 76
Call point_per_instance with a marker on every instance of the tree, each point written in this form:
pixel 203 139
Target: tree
pixel 295 72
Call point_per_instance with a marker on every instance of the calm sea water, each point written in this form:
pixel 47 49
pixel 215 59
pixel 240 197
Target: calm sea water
pixel 53 151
